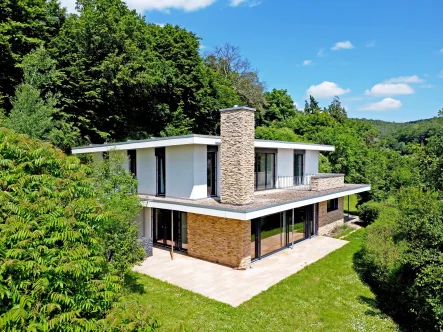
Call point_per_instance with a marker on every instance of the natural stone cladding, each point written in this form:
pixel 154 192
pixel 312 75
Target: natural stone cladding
pixel 220 240
pixel 327 221
pixel 325 182
pixel 237 156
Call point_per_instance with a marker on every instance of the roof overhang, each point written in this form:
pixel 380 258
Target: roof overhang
pixel 250 214
pixel 193 139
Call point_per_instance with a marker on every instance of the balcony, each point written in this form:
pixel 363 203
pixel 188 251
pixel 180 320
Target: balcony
pixel 314 182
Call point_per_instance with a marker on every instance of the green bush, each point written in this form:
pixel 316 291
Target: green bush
pixel 369 211
pixel 402 260
pixel 53 274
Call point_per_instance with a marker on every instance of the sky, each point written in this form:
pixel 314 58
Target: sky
pixel 383 58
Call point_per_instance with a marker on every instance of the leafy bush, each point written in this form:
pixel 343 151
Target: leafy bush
pixel 402 260
pixel 117 190
pixel 369 211
pixel 53 274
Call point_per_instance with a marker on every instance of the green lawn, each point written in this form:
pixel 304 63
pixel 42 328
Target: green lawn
pixel 352 204
pixel 324 296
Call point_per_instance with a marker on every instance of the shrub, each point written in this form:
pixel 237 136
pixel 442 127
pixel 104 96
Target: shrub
pixel 402 260
pixel 369 211
pixel 53 273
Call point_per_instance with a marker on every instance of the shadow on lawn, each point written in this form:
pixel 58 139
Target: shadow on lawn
pixel 132 284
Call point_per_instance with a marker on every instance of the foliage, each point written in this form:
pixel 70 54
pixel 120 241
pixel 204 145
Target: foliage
pixel 370 211
pixel 430 162
pixel 24 26
pixel 116 190
pixel 280 105
pixel 53 274
pixel 402 260
pixel 337 111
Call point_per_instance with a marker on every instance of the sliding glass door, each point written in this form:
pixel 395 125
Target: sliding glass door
pixel 264 170
pixel 276 231
pixel 168 231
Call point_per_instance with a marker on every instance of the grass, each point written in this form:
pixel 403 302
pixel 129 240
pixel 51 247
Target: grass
pixel 342 231
pixel 324 296
pixel 352 204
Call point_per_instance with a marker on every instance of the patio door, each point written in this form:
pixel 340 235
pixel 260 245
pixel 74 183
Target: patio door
pixel 298 168
pixel 168 233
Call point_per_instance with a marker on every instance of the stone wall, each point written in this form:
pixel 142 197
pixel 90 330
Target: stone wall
pixel 324 182
pixel 327 221
pixel 220 240
pixel 237 155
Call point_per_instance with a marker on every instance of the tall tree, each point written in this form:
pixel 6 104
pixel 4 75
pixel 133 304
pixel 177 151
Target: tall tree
pixel 24 25
pixel 337 111
pixel 312 107
pixel 280 105
pixel 229 62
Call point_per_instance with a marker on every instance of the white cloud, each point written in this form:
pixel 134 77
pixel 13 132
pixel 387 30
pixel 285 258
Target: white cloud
pixel 162 5
pixel 441 51
pixel 426 86
pixel 326 90
pixel 441 74
pixel 343 45
pixel 382 105
pixel 307 62
pixel 370 43
pixel 405 79
pixel 390 89
pixel 250 3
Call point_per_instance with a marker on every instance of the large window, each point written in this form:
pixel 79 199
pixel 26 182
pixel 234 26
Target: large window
pixel 298 168
pixel 161 170
pixel 170 228
pixel 276 231
pixel 332 205
pixel 211 173
pixel 264 170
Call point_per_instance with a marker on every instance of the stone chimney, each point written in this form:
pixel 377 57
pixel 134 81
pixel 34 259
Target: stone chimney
pixel 237 155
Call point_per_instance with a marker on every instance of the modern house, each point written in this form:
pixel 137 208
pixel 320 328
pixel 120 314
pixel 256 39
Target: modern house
pixel 232 199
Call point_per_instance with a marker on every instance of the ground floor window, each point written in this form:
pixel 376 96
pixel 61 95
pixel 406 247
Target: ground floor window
pixel 280 230
pixel 332 205
pixel 170 228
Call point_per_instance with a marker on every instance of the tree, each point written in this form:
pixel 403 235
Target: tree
pixel 337 111
pixel 280 105
pixel 401 260
pixel 116 189
pixel 37 115
pixel 232 65
pixel 24 25
pixel 312 107
pixel 53 272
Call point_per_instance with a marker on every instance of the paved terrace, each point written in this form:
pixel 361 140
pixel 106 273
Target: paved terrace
pixel 232 286
pixel 262 199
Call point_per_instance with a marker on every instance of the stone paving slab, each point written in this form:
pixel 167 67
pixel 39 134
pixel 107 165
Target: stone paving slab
pixel 231 286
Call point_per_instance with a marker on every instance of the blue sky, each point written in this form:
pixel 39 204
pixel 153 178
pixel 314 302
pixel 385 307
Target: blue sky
pixel 383 57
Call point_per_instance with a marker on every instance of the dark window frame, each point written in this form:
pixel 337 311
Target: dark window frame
pixel 213 155
pixel 332 205
pixel 266 170
pixel 132 160
pixel 160 154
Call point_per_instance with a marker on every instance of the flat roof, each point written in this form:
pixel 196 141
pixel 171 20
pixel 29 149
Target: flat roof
pixel 265 202
pixel 193 139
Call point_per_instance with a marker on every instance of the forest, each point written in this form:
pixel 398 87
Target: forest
pixel 105 74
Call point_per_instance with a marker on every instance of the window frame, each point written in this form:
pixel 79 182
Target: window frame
pixel 332 205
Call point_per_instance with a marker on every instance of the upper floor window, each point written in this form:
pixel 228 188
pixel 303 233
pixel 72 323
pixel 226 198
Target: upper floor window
pixel 132 159
pixel 264 170
pixel 161 171
pixel 332 205
pixel 299 167
pixel 211 171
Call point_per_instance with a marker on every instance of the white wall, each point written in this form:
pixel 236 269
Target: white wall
pixel 218 175
pixel 285 162
pixel 147 222
pixel 311 162
pixel 146 171
pixel 186 171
